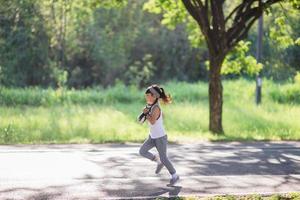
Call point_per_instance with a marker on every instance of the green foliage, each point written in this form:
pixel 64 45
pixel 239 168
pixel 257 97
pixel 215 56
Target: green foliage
pixel 194 34
pixel 80 44
pixel 24 44
pixel 280 60
pixel 173 14
pixel 107 3
pixel 8 135
pixel 283 34
pixel 1 76
pixel 141 72
pixel 289 93
pixel 297 41
pixel 173 11
pixel 297 78
pixel 60 76
pixel 239 62
pixel 36 115
pixel 295 4
pixel 280 33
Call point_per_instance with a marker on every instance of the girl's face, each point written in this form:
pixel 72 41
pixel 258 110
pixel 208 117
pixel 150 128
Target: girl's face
pixel 150 99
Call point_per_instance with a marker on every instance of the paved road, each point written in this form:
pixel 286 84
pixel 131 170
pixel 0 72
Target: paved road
pixel 115 171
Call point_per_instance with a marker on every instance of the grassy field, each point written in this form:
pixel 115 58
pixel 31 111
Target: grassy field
pixel 97 115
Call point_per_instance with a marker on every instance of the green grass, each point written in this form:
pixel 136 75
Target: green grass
pixel 96 115
pixel 288 196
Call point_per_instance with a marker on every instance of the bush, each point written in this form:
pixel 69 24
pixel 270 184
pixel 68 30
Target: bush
pixel 289 93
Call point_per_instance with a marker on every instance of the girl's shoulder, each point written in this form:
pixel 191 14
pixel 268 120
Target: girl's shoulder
pixel 157 106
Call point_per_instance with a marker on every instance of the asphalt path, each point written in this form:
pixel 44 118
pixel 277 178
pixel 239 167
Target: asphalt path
pixel 117 171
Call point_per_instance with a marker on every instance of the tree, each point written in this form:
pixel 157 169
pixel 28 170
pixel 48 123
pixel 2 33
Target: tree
pixel 221 29
pixel 23 44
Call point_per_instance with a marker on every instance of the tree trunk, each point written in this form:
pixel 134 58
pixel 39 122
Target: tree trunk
pixel 215 96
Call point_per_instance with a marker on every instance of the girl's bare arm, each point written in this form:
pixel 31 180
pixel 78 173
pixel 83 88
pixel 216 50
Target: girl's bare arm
pixel 154 115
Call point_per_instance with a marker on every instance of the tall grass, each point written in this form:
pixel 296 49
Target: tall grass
pixel 49 97
pixel 98 115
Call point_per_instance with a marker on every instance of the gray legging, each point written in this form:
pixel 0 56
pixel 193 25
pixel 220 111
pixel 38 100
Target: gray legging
pixel 161 146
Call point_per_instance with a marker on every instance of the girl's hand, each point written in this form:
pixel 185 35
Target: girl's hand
pixel 146 110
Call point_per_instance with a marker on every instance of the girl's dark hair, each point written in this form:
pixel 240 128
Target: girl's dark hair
pixel 162 95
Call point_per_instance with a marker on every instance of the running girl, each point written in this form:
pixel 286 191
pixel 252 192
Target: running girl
pixel 157 135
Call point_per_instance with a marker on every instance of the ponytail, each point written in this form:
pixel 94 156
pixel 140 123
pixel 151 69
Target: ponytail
pixel 166 98
pixel 159 93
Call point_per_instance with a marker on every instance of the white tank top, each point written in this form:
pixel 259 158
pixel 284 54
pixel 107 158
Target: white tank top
pixel 157 129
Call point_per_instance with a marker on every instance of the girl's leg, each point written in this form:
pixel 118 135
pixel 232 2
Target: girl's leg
pixel 161 146
pixel 144 150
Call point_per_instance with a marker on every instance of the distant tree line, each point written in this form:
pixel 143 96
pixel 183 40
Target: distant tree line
pixel 82 44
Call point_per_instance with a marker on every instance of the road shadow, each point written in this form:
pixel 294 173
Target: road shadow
pixel 125 178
